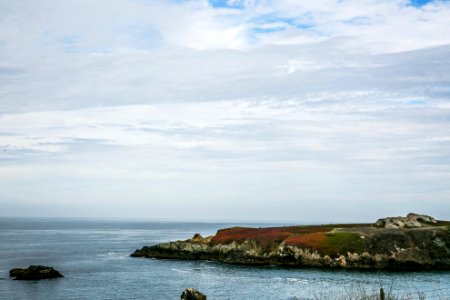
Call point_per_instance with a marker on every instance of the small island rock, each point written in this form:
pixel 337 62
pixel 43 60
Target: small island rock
pixel 192 294
pixel 34 273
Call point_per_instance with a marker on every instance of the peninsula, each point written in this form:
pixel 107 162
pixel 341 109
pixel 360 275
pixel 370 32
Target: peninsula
pixel 414 242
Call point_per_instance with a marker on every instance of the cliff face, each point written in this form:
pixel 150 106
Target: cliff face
pixel 361 246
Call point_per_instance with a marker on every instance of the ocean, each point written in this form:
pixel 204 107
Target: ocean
pixel 93 255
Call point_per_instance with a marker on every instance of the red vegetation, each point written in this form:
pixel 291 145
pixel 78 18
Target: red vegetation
pixel 312 236
pixel 226 236
pixel 265 235
pixel 311 240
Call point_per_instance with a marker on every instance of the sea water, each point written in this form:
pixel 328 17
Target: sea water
pixel 93 255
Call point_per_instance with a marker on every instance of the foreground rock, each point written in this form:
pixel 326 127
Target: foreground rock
pixel 34 273
pixel 192 294
pixel 361 246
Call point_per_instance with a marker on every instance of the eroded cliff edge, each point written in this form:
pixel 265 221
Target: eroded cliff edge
pixel 414 242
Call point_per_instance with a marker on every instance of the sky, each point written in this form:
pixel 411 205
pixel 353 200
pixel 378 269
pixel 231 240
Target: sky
pixel 288 110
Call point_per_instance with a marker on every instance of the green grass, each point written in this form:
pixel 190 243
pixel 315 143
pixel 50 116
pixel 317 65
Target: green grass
pixel 342 242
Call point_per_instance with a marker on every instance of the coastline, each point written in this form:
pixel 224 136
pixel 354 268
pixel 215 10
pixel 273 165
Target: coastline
pixel 423 245
pixel 94 258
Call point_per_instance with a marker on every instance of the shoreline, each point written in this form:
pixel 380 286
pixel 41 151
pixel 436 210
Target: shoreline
pixel 411 243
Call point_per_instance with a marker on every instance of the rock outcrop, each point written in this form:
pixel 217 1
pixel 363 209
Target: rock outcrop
pixel 412 220
pixel 34 273
pixel 192 294
pixel 361 246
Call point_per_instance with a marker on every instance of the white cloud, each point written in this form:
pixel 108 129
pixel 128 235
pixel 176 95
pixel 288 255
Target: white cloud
pixel 318 125
pixel 229 152
pixel 351 96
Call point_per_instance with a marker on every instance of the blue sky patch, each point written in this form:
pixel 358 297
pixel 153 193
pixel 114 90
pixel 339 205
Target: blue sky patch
pixel 416 102
pixel 225 4
pixel 268 30
pixel 271 19
pixel 419 3
pixel 70 43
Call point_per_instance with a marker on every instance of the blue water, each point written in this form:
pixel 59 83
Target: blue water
pixel 93 255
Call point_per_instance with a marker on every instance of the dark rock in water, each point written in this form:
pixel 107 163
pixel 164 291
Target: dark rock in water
pixel 34 273
pixel 192 294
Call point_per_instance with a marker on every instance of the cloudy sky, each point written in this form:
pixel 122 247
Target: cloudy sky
pixel 326 110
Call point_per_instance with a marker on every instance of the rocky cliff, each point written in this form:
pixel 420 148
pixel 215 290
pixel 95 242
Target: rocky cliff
pixel 421 244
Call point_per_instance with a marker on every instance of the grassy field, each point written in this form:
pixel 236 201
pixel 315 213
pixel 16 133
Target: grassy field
pixel 329 239
pixel 322 238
